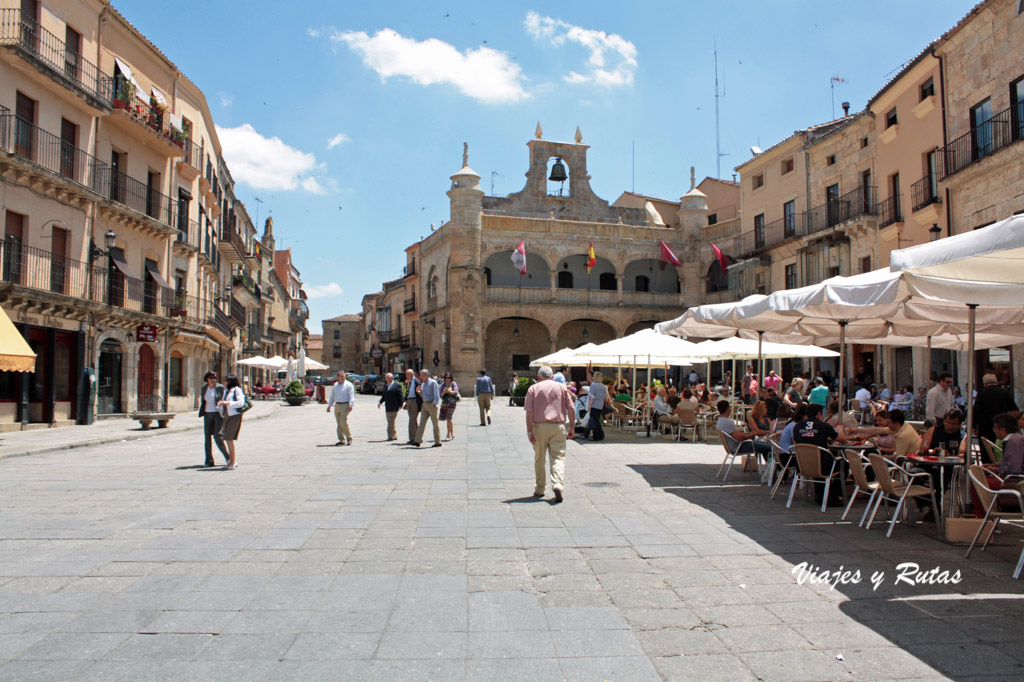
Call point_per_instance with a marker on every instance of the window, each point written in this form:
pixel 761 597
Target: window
pixel 834 271
pixel 864 142
pixel 712 219
pixel 717 279
pixel 927 89
pixel 791 276
pixel 520 363
pixel 337 351
pixel 643 283
pixel 891 119
pixel 174 387
pixel 789 218
pixel 865 264
pixel 759 230
pixel 758 180
pixel 564 280
pixel 606 281
pixel 68 141
pixel 25 118
pixel 830 160
pixel 337 334
pixel 787 165
pixel 73 45
pixel 1017 108
pixel 834 207
pixel 981 129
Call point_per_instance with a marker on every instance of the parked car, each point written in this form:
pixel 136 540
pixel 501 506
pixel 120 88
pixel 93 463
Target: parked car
pixel 369 384
pixel 379 386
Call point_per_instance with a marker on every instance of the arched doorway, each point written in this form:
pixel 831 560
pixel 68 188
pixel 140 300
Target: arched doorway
pixel 511 344
pixel 575 333
pixel 108 393
pixel 147 379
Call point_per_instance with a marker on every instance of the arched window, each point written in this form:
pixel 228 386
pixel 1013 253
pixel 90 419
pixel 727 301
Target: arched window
pixel 432 284
pixel 487 275
pixel 643 283
pixel 717 279
pixel 565 280
pixel 607 281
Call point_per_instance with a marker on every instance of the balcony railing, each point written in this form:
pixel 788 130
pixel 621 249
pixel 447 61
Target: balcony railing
pixel 49 152
pixel 194 154
pixel 925 192
pixel 849 206
pixel 43 48
pixel 188 232
pixel 124 97
pixel 889 212
pixel 386 336
pixel 238 313
pixel 244 281
pixel 984 140
pixel 775 232
pixel 410 305
pixel 409 269
pixel 139 197
pixel 405 341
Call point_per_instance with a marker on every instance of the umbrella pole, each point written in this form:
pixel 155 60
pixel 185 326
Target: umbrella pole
pixel 928 363
pixel 971 378
pixel 842 363
pixel 732 381
pixel 760 359
pixel 650 383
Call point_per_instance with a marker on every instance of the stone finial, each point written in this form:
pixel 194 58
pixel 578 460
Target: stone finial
pixel 539 134
pixel 268 227
pixel 693 177
pixel 465 154
pixel 579 135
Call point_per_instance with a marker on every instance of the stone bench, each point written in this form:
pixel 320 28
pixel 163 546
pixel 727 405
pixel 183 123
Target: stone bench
pixel 146 419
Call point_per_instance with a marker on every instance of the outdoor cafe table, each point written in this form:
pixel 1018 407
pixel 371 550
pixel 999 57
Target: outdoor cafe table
pixel 943 464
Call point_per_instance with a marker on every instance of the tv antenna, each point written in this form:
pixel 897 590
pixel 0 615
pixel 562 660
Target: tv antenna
pixel 493 174
pixel 718 135
pixel 832 87
pixel 258 202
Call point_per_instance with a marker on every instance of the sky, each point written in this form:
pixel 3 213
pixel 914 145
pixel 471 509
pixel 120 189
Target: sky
pixel 346 119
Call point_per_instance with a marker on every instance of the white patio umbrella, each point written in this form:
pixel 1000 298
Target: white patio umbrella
pixel 312 364
pixel 256 361
pixel 561 357
pixel 300 363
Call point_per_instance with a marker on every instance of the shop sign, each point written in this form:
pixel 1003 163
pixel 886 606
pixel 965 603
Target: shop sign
pixel 378 353
pixel 146 332
pixel 45 321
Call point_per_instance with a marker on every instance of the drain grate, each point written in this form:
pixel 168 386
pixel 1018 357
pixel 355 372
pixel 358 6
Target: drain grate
pixel 602 484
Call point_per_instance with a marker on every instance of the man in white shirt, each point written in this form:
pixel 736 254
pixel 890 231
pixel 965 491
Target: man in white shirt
pixel 343 399
pixel 939 400
pixel 663 409
pixel 863 398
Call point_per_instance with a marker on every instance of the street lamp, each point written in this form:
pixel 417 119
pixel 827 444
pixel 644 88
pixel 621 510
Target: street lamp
pixel 934 231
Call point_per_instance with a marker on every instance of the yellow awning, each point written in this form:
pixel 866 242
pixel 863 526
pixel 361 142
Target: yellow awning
pixel 15 354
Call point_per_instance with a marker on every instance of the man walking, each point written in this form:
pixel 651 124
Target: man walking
pixel 392 399
pixel 430 393
pixel 343 399
pixel 745 385
pixel 939 400
pixel 413 401
pixel 484 394
pixel 213 393
pixel 549 416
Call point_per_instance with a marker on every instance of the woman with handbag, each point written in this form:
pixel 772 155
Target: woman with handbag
pixel 234 404
pixel 449 399
pixel 596 406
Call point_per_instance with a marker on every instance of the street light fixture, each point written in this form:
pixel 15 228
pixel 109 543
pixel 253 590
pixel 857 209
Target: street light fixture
pixel 934 231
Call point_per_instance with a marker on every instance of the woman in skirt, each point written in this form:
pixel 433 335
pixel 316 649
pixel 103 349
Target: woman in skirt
pixel 234 399
pixel 449 398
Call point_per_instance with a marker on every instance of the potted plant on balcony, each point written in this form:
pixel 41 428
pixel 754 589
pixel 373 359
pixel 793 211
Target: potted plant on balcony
pixel 124 92
pixel 294 393
pixel 519 391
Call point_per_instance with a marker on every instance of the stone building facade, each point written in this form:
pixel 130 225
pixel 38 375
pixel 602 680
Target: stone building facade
pixel 341 347
pixel 465 307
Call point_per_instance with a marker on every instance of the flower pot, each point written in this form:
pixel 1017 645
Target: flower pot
pixel 518 400
pixel 295 400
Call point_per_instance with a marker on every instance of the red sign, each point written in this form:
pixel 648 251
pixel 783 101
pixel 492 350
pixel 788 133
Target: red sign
pixel 146 332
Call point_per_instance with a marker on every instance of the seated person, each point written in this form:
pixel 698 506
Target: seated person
pixel 758 422
pixel 662 409
pixel 673 397
pixel 880 432
pixel 687 404
pixel 946 435
pixel 782 417
pixel 848 421
pixel 786 439
pixel 811 430
pixel 726 425
pixel 905 437
pixel 772 402
pixel 581 402
pixel 1011 468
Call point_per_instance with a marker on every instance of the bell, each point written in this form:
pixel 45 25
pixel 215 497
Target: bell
pixel 558 172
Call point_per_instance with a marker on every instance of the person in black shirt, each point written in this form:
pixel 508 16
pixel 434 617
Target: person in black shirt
pixel 946 434
pixel 991 400
pixel 772 402
pixel 813 431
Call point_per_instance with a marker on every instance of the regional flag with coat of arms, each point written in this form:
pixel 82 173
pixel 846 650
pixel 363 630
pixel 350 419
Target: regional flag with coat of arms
pixel 519 258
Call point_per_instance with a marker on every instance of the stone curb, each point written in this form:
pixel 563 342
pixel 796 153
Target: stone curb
pixel 117 439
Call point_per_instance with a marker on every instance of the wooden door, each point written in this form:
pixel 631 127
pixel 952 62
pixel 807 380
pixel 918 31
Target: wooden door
pixel 147 377
pixel 58 261
pixel 24 128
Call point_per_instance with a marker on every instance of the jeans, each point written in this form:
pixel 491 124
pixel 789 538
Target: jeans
pixel 212 422
pixel 594 424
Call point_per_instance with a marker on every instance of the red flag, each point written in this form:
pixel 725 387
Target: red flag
pixel 519 258
pixel 666 254
pixel 591 258
pixel 723 260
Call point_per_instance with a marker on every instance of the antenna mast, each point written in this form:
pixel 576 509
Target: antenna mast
pixel 718 137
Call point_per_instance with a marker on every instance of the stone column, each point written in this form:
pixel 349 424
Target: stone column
pixel 619 280
pixel 554 282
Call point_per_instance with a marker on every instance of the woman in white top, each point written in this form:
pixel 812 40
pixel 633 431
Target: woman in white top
pixel 234 398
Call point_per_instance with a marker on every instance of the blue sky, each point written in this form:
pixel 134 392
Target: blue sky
pixel 347 118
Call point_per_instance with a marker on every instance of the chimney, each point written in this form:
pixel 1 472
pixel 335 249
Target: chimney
pixel 846 109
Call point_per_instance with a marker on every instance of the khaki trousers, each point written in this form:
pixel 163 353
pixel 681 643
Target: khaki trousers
pixel 413 409
pixel 429 411
pixel 483 400
pixel 549 440
pixel 392 416
pixel 341 416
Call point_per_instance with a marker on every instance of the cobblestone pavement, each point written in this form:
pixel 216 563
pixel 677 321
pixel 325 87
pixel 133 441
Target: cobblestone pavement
pixel 382 561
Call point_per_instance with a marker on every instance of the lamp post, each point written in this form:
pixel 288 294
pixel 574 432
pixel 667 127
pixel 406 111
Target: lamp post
pixel 934 232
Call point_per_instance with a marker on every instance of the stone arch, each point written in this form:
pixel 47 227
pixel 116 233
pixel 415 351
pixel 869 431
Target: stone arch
pixel 558 189
pixel 511 343
pixel 714 278
pixel 575 333
pixel 639 325
pixel 661 277
pixel 576 265
pixel 500 271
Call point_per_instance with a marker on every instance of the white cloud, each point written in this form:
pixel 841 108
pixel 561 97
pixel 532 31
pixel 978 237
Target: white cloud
pixel 612 61
pixel 267 162
pixel 482 73
pixel 226 99
pixel 340 138
pixel 323 290
pixel 313 33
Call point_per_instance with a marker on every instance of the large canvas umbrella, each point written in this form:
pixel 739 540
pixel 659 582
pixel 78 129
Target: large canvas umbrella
pixel 15 353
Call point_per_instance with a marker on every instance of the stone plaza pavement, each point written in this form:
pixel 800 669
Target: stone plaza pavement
pixel 381 561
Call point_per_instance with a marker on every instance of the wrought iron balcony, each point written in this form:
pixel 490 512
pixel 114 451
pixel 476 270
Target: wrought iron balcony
pixel 143 115
pixel 409 269
pixel 387 336
pixel 889 212
pixel 141 198
pixel 925 192
pixel 44 50
pixel 48 152
pixel 998 132
pixel 243 281
pixel 849 206
pixel 410 305
pixel 237 313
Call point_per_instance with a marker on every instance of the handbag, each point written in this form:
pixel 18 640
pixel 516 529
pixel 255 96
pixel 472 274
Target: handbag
pixel 246 406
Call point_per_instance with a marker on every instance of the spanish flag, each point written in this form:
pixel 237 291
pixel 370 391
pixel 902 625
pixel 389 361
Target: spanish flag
pixel 591 258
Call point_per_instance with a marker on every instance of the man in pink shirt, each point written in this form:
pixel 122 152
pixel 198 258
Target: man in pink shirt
pixel 773 381
pixel 549 416
pixel 754 388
